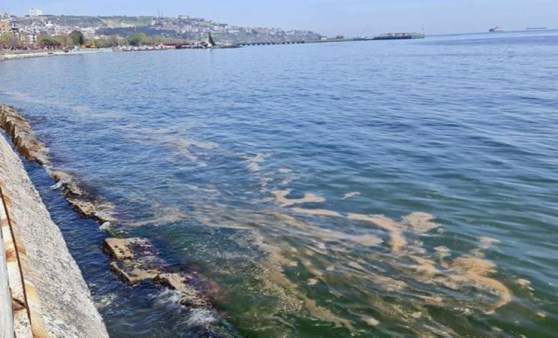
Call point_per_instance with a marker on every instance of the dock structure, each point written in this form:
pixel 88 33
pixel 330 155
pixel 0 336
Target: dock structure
pixel 210 44
pixel 337 39
pixel 272 43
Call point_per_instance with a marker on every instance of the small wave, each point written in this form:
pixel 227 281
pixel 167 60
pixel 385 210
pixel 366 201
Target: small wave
pixel 167 298
pixel 105 226
pixel 56 186
pixel 351 194
pixel 201 317
pixel 106 300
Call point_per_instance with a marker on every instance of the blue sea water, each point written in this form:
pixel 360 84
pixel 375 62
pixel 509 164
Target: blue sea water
pixel 367 188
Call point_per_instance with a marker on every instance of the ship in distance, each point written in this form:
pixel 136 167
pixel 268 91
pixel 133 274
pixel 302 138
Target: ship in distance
pixel 496 29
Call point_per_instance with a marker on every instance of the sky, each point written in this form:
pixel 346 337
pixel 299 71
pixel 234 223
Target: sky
pixel 328 17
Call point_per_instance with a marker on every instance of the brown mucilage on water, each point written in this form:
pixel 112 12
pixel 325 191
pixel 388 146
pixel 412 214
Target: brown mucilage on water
pixel 373 256
pixel 396 263
pixel 407 256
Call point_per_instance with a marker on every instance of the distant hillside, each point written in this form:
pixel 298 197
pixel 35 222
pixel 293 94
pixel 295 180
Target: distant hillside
pixel 182 27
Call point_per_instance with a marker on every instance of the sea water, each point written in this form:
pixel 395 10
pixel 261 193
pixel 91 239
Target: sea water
pixel 336 189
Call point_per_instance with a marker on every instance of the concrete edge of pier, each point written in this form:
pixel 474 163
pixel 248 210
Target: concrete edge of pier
pixel 42 290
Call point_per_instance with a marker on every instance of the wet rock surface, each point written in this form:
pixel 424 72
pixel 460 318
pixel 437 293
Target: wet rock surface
pixel 34 150
pixel 137 261
pixel 132 272
pixel 22 135
pixel 189 295
pixel 81 200
pixel 124 248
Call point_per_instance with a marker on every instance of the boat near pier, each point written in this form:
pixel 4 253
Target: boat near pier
pixel 496 29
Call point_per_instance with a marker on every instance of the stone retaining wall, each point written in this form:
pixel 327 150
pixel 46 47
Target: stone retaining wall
pixel 62 301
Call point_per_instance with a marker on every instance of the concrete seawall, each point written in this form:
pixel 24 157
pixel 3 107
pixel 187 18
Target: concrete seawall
pixel 49 296
pixel 136 260
pixel 25 54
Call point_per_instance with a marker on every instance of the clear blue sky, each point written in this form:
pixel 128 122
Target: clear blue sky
pixel 330 17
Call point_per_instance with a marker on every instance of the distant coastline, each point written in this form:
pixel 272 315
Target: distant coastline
pixel 34 53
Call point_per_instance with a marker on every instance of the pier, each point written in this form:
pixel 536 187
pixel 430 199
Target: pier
pixel 272 43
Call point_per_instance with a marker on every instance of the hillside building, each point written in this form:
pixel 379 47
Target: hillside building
pixel 35 12
pixel 5 26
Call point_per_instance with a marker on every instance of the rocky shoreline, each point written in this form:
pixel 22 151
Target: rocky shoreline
pixel 49 297
pixel 34 150
pixel 16 55
pixel 135 260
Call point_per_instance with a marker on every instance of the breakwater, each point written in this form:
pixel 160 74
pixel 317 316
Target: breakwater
pixel 135 260
pixel 49 295
pixel 25 54
pixel 33 150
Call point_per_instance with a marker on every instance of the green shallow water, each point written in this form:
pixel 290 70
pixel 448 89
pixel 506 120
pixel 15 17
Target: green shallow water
pixel 366 189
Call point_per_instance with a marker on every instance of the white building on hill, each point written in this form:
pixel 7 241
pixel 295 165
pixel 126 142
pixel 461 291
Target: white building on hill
pixel 34 12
